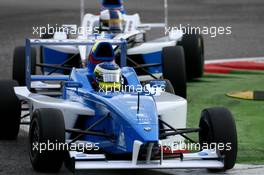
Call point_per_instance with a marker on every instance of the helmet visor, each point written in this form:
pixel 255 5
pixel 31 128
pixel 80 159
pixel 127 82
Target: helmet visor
pixel 111 78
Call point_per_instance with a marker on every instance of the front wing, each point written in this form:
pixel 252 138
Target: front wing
pixel 209 159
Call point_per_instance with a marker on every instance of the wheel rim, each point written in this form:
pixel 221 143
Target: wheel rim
pixel 205 134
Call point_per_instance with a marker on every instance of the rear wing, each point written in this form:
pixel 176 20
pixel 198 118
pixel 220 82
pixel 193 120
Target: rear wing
pixel 48 42
pixel 145 26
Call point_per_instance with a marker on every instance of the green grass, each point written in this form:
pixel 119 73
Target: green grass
pixel 210 91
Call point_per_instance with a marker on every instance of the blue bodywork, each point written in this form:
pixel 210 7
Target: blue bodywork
pixel 124 123
pixel 131 115
pixel 153 58
pixel 48 56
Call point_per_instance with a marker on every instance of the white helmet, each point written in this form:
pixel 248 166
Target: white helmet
pixel 108 75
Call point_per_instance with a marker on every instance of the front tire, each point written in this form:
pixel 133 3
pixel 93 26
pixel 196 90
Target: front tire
pixel 47 128
pixel 218 127
pixel 174 69
pixel 10 108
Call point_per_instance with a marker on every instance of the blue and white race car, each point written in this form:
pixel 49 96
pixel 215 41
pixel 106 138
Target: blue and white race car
pixel 102 117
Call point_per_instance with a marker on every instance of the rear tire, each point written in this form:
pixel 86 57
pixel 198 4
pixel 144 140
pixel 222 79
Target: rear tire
pixel 193 46
pixel 10 108
pixel 218 126
pixel 47 126
pixel 19 64
pixel 174 69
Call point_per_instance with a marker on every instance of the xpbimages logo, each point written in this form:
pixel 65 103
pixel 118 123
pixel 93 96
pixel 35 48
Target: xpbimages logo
pixel 146 89
pixel 212 31
pixel 58 146
pixel 181 145
pixel 69 29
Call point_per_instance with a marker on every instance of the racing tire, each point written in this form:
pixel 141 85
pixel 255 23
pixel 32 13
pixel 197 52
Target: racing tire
pixel 19 64
pixel 10 108
pixel 174 69
pixel 193 46
pixel 217 126
pixel 47 127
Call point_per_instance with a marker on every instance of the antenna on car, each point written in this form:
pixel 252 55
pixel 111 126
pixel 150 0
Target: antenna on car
pixel 138 103
pixel 166 13
pixel 82 10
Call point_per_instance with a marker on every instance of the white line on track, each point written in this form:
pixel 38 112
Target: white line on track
pixel 261 59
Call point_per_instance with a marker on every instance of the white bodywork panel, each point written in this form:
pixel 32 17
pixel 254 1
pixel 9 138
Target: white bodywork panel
pixel 132 21
pixel 173 110
pixel 41 85
pixel 87 26
pixel 69 109
pixel 150 47
pixel 172 164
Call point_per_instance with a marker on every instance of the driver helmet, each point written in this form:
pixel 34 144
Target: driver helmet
pixel 108 76
pixel 111 21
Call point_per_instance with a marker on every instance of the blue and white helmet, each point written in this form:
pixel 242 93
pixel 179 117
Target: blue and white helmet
pixel 111 20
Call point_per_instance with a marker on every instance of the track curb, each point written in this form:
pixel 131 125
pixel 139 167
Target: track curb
pixel 235 66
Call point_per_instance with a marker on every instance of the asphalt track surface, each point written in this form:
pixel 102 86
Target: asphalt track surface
pixel 17 17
